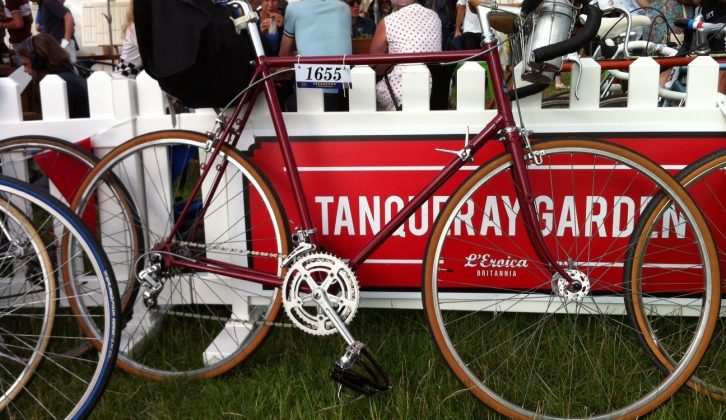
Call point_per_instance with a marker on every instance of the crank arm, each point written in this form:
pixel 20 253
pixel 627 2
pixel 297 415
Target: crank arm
pixel 321 298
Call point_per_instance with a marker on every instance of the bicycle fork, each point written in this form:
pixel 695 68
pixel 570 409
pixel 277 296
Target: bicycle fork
pixel 569 281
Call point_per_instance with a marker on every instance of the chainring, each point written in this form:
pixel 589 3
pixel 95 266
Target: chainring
pixel 323 272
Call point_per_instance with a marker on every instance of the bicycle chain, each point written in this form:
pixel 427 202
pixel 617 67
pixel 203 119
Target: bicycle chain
pixel 221 319
pixel 237 251
pixel 217 318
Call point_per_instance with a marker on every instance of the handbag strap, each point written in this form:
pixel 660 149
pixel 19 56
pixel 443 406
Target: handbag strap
pixel 390 89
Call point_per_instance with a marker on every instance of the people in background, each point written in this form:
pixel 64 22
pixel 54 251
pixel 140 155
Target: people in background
pixel 130 63
pixel 57 21
pixel 467 33
pixel 38 16
pixel 384 9
pixel 271 25
pixel 42 55
pixel 635 7
pixel 362 26
pixel 4 50
pixel 714 11
pixel 410 28
pixel 18 21
pixel 446 9
pixel 318 28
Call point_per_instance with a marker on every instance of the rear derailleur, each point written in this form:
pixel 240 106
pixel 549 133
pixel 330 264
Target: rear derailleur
pixel 151 281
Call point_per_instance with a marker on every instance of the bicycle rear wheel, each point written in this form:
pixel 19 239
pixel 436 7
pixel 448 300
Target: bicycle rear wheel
pixel 514 333
pixel 203 323
pixel 59 384
pixel 705 181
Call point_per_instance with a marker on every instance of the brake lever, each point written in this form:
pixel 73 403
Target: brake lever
pixel 574 57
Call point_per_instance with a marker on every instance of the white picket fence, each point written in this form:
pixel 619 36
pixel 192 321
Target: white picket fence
pixel 121 109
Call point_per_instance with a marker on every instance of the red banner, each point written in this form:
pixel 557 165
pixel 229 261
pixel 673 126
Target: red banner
pixel 355 185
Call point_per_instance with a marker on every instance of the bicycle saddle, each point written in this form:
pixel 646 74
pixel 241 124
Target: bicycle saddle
pixel 503 16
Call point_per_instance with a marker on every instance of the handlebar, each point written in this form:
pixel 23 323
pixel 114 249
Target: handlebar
pixel 701 31
pixel 693 25
pixel 588 32
pixel 529 90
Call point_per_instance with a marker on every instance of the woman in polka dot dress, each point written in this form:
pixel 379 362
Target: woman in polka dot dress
pixel 410 28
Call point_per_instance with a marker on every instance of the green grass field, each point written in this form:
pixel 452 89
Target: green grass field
pixel 288 379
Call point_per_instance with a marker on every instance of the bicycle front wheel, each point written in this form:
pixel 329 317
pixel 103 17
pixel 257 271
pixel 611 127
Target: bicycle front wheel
pixel 54 383
pixel 202 322
pixel 524 340
pixel 705 181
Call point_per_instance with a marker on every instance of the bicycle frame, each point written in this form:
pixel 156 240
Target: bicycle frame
pixel 502 125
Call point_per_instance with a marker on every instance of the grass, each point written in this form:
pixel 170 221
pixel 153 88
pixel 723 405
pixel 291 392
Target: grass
pixel 288 378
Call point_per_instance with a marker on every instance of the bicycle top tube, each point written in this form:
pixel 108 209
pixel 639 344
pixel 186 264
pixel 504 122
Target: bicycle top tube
pixel 440 57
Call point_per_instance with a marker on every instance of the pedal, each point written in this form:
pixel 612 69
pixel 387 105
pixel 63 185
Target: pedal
pixel 359 371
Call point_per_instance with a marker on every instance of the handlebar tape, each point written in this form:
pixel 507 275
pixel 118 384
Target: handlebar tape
pixel 528 90
pixel 588 32
pixel 528 6
pixel 681 23
pixel 690 25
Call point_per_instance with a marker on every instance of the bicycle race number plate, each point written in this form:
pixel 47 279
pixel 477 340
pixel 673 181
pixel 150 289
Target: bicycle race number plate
pixel 323 76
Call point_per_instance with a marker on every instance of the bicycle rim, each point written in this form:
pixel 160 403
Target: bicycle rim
pixel 512 332
pixel 203 323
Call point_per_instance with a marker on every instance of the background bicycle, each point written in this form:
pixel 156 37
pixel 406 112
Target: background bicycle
pixel 42 375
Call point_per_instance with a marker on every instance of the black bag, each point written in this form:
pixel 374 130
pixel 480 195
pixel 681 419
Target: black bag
pixel 192 49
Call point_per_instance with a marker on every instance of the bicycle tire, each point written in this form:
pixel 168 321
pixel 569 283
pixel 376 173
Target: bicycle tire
pixel 59 159
pixel 64 385
pixel 205 339
pixel 704 179
pixel 20 300
pixel 527 341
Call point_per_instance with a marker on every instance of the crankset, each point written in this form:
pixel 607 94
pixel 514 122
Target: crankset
pixel 321 296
